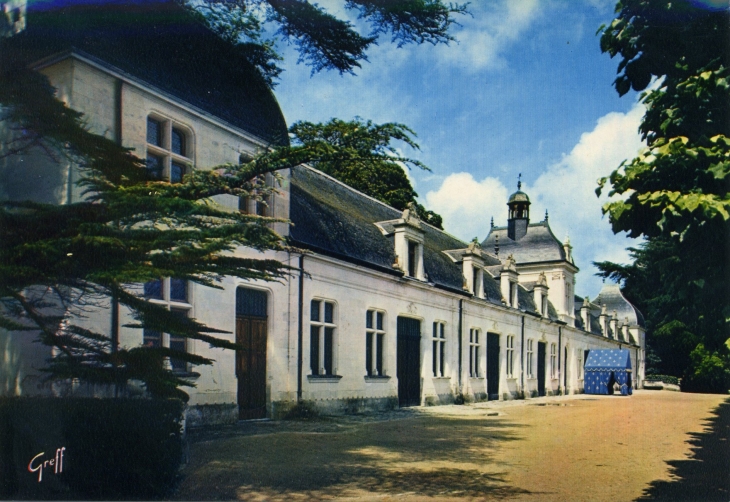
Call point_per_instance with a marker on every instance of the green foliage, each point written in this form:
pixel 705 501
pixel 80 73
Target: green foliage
pixel 708 372
pixel 679 185
pixel 324 41
pixel 368 161
pixel 673 380
pixel 675 192
pixel 114 449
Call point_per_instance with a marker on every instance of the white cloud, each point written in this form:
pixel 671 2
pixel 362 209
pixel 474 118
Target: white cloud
pixel 483 37
pixel 566 189
pixel 467 204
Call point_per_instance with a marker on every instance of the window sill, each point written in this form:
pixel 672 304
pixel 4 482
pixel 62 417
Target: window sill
pixel 381 378
pixel 513 378
pixel 477 377
pixel 324 378
pixel 186 374
pixel 442 378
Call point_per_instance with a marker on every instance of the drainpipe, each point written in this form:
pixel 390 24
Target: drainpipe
pixel 522 359
pixel 300 330
pixel 560 355
pixel 461 315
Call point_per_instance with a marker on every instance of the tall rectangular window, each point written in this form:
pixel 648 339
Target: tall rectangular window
pixel 510 355
pixel 439 348
pixel 474 353
pixel 412 258
pixel 322 338
pixel 374 343
pixel 154 132
pixel 529 358
pixel 172 294
pixel 553 360
pixel 168 150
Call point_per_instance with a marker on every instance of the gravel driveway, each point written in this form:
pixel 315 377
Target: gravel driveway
pixel 654 445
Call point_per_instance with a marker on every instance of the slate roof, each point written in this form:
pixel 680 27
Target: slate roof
pixel 331 218
pixel 538 245
pixel 161 44
pixel 612 297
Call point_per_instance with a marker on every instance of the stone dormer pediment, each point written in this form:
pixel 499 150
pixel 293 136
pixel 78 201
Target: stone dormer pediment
pixel 408 237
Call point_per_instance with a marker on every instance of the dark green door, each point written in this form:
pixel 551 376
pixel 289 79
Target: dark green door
pixel 492 366
pixel 409 362
pixel 541 368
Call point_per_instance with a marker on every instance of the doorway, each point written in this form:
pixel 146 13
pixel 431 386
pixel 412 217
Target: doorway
pixel 492 366
pixel 541 368
pixel 251 335
pixel 409 362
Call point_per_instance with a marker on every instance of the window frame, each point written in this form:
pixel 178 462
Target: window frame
pixel 474 356
pixel 553 361
pixel 163 147
pixel 375 337
pixel 321 325
pixel 510 356
pixel 529 356
pixel 438 346
pixel 184 306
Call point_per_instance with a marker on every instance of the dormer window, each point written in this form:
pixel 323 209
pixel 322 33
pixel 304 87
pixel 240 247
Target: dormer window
pixel 512 301
pixel 544 307
pixel 478 282
pixel 408 237
pixel 168 150
pixel 412 258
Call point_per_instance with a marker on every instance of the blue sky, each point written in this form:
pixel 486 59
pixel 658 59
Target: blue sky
pixel 525 90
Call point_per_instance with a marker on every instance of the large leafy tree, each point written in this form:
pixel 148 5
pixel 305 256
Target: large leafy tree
pixel 57 262
pixel 675 192
pixel 368 161
pixel 324 41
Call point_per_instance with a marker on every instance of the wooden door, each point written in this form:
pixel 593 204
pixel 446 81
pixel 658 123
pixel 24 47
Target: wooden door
pixel 409 362
pixel 251 367
pixel 492 366
pixel 541 368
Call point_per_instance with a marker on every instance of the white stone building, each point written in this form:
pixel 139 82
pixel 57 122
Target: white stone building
pixel 383 311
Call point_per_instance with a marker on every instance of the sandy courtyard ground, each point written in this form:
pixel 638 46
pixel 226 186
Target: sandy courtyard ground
pixel 652 446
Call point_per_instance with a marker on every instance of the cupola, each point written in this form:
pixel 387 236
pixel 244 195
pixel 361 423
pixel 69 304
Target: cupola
pixel 519 213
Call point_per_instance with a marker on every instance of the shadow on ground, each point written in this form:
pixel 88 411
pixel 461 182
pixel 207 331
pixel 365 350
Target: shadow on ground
pixel 706 475
pixel 418 455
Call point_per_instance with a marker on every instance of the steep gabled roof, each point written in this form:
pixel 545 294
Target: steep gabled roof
pixel 538 245
pixel 331 218
pixel 162 45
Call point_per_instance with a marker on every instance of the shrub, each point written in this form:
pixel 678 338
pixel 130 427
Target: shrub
pixel 662 378
pixel 708 372
pixel 114 448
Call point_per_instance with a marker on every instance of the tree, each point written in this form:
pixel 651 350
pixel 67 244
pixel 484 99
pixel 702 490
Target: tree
pixel 675 192
pixel 324 41
pixel 367 161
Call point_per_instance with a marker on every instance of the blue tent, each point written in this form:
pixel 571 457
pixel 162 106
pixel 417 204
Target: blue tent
pixel 604 367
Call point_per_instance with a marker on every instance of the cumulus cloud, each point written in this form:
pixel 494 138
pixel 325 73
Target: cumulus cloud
pixel 566 189
pixel 481 38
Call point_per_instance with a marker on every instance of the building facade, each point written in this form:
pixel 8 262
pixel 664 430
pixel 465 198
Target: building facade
pixel 382 310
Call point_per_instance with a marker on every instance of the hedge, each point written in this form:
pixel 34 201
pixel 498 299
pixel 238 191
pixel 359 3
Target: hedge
pixel 103 448
pixel 662 378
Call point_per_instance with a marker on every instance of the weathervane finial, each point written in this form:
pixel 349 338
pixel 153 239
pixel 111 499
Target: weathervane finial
pixel 519 181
